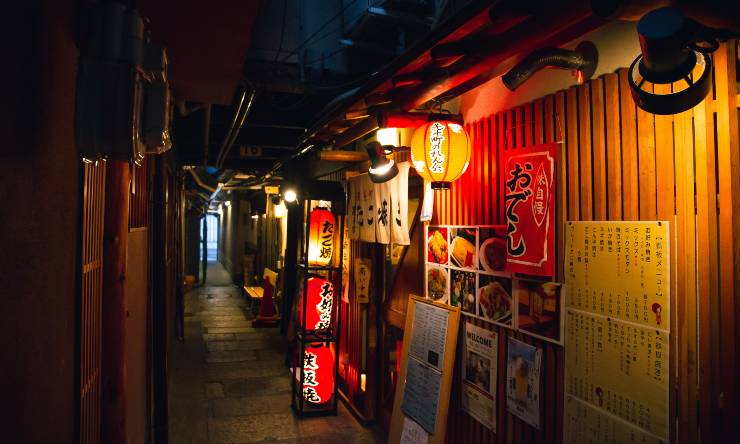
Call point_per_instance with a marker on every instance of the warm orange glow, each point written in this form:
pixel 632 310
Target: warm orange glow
pixel 320 294
pixel 321 237
pixel 318 373
pixel 440 152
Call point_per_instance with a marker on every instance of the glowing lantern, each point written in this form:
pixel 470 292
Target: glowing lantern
pixel 318 373
pixel 321 237
pixel 440 152
pixel 320 295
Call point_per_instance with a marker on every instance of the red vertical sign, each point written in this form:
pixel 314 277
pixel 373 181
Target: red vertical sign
pixel 529 186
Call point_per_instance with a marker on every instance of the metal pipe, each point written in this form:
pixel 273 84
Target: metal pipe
pixel 229 143
pixel 584 58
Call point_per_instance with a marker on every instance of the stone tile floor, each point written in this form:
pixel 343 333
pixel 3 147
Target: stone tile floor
pixel 228 383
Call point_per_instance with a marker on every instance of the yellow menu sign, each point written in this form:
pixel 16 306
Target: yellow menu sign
pixel 617 332
pixel 619 270
pixel 585 424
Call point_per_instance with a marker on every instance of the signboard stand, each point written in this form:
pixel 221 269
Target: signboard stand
pixel 438 345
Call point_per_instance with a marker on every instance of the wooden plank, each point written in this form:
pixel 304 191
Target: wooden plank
pixel 561 195
pixel 646 161
pixel 728 161
pixel 628 125
pixel 571 142
pixel 685 274
pixel 501 129
pixel 706 230
pixel 539 130
pixel 584 150
pixel 598 142
pixel 613 147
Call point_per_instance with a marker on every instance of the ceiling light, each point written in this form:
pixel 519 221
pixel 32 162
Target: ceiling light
pixel 675 53
pixel 381 168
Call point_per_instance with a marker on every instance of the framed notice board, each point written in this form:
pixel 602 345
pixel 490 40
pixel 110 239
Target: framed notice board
pixel 427 364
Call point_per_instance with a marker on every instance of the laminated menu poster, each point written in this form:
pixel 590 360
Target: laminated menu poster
pixel 426 359
pixel 523 365
pixel 480 359
pixel 585 424
pixel 617 327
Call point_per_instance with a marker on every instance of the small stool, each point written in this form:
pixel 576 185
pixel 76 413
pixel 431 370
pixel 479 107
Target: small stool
pixel 255 296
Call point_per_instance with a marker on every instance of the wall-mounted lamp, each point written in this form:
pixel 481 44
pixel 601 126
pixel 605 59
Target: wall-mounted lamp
pixel 388 136
pixel 363 379
pixel 255 216
pixel 289 195
pixel 382 169
pixel 674 52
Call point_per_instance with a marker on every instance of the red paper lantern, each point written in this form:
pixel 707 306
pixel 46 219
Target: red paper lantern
pixel 440 152
pixel 321 237
pixel 318 373
pixel 320 299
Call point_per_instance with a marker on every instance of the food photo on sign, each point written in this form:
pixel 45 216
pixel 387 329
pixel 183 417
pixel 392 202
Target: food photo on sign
pixel 437 245
pixel 495 300
pixel 462 292
pixel 492 248
pixel 539 311
pixel 438 283
pixel 529 193
pixel 462 248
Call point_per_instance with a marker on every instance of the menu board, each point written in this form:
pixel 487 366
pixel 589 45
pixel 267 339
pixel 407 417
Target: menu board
pixel 620 270
pixel 617 331
pixel 466 268
pixel 429 335
pixel 585 424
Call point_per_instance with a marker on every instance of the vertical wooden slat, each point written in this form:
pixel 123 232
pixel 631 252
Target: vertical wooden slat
pixel 686 296
pixel 571 139
pixel 706 230
pixel 646 160
pixel 728 161
pixel 613 147
pixel 628 125
pixel 561 203
pixel 584 151
pixel 598 142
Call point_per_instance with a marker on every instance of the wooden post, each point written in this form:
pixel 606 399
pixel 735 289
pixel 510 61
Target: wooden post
pixel 115 234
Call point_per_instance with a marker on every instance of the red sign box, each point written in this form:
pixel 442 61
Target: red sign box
pixel 529 193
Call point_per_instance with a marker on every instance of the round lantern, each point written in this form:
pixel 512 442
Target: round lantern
pixel 318 373
pixel 440 152
pixel 321 237
pixel 320 298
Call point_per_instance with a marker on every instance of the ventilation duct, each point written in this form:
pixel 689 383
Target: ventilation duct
pixel 583 59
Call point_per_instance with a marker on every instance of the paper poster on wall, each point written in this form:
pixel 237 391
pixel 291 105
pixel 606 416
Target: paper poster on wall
pixel 437 245
pixel 529 194
pixel 480 359
pixel 463 253
pixel 363 274
pixel 539 309
pixel 617 324
pixel 620 270
pixel 496 300
pixel 492 249
pixel 462 291
pixel 523 381
pixel 586 424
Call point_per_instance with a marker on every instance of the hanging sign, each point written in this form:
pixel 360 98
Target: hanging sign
pixel 320 298
pixel 363 272
pixel 346 250
pixel 366 214
pixel 383 213
pixel 529 192
pixel 400 205
pixel 318 373
pixel 480 361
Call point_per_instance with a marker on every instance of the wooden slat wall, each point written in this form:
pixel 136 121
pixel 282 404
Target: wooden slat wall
pixel 138 215
pixel 91 290
pixel 620 163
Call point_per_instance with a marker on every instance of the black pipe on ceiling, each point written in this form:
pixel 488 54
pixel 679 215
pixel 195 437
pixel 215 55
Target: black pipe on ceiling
pixel 584 58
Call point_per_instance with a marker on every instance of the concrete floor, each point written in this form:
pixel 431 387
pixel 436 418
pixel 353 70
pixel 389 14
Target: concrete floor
pixel 228 383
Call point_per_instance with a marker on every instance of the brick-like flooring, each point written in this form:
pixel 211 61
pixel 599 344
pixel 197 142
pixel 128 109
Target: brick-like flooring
pixel 228 383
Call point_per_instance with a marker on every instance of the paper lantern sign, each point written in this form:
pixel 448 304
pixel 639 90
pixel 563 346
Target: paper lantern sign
pixel 440 152
pixel 318 373
pixel 320 295
pixel 321 237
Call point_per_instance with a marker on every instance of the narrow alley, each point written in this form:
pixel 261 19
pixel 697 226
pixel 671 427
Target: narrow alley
pixel 229 382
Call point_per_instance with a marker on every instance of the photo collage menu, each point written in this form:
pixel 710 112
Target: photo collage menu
pixel 466 267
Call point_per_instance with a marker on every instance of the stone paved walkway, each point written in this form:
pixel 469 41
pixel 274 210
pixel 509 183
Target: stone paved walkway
pixel 228 383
